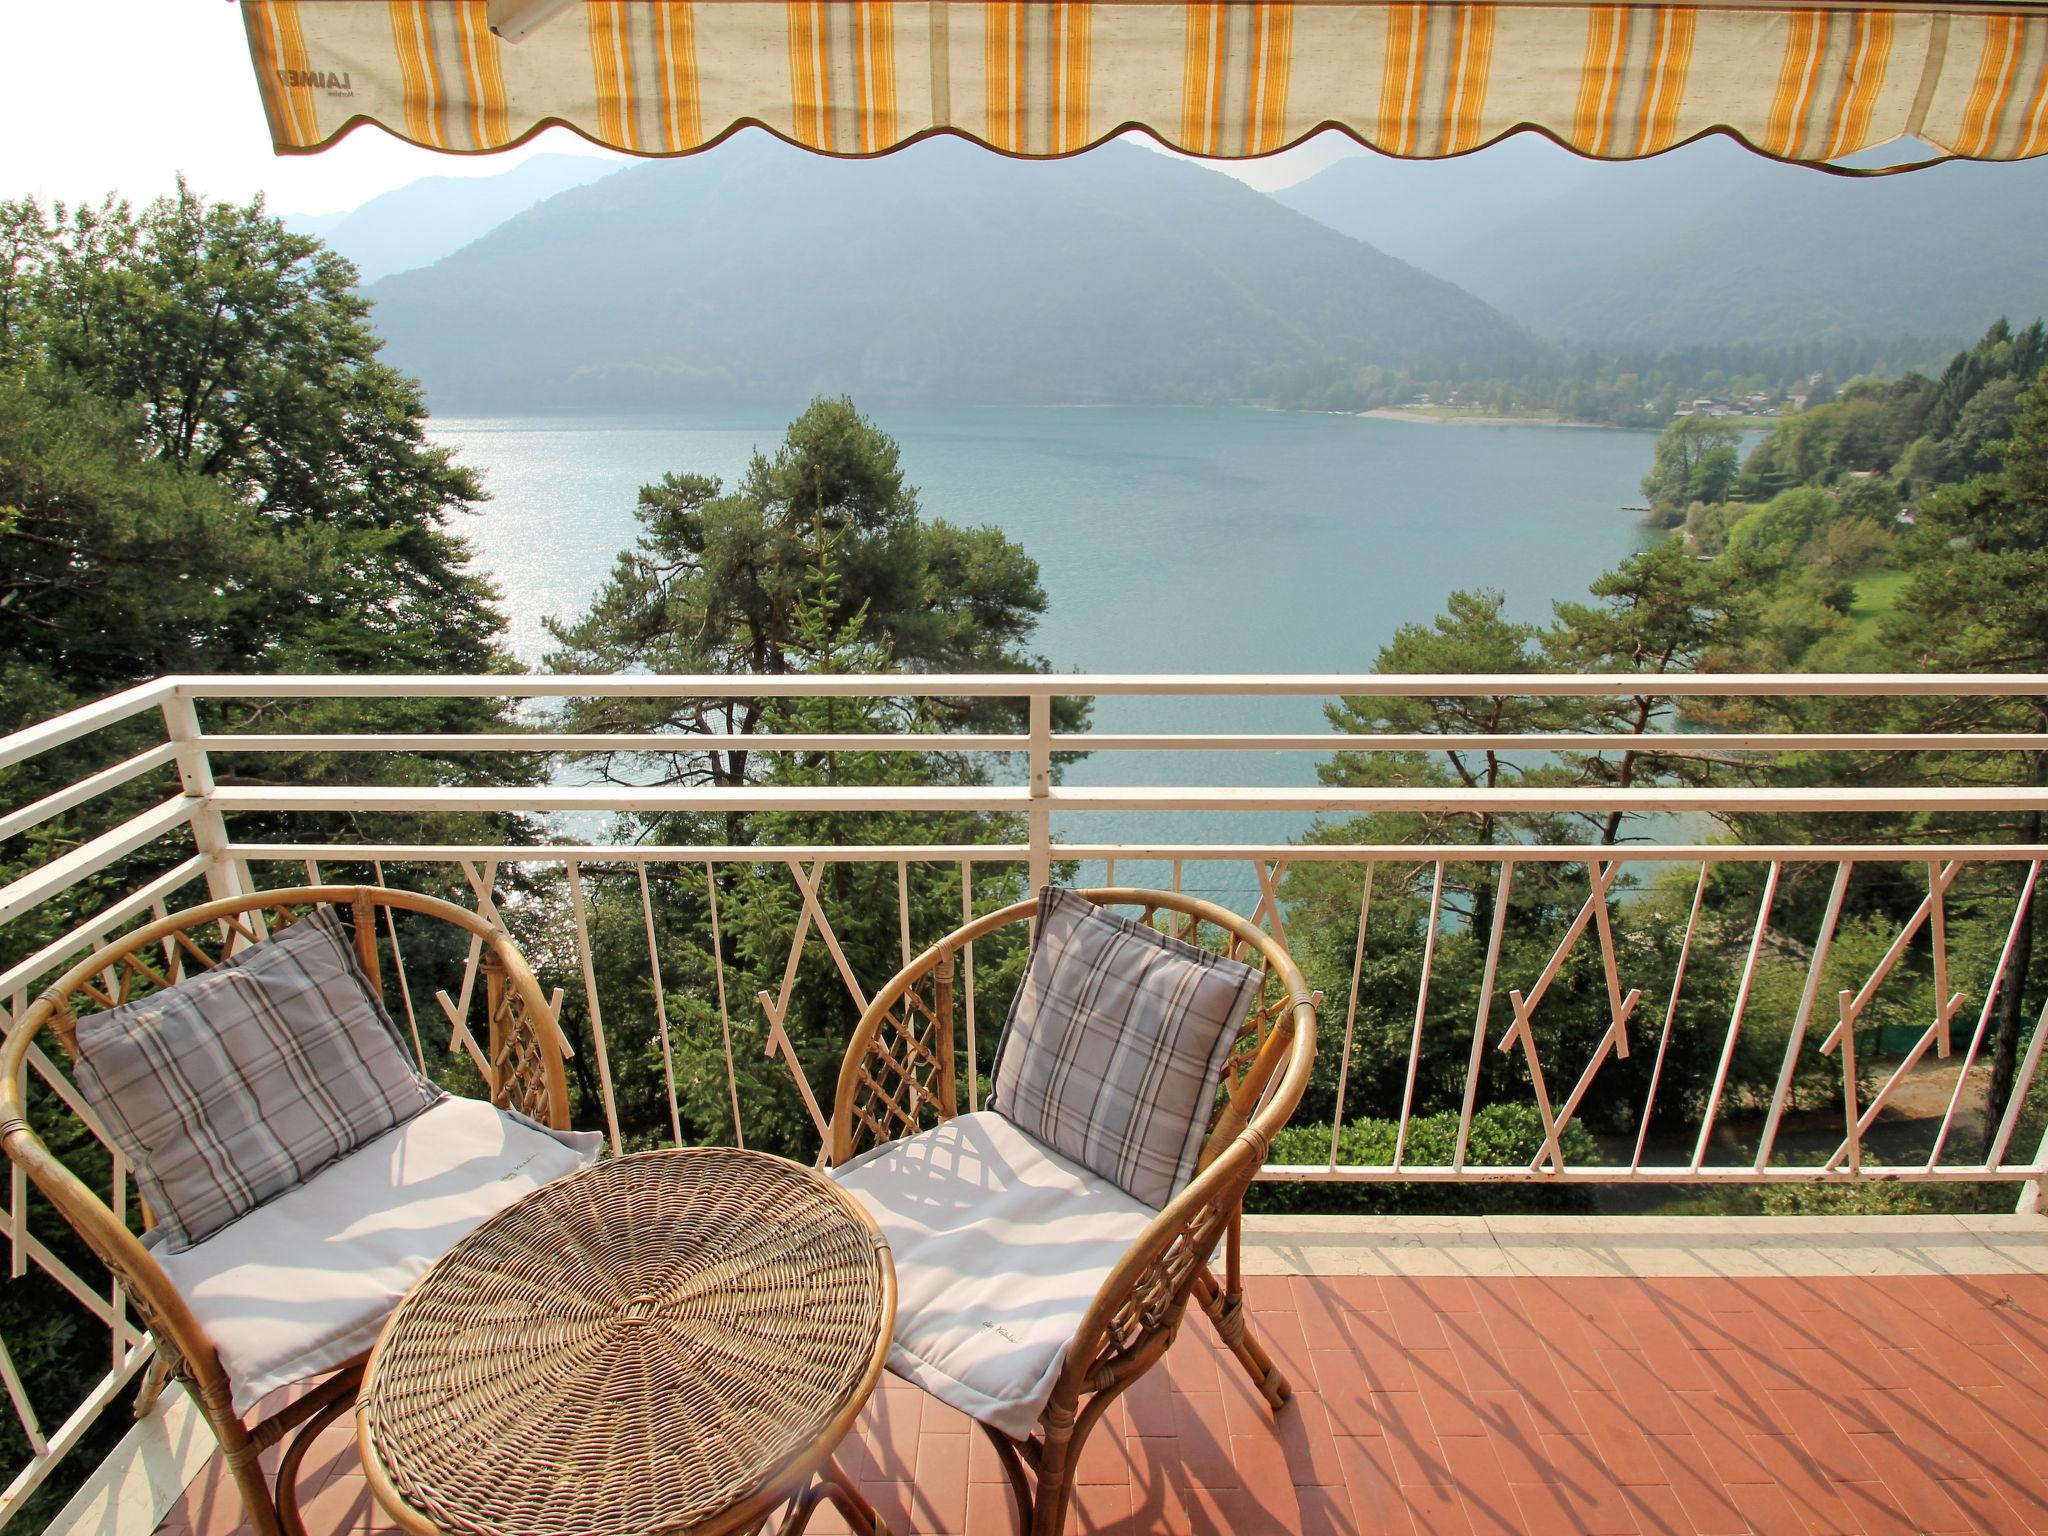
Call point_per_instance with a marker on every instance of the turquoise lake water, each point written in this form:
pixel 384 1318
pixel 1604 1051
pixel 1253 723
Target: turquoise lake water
pixel 1168 541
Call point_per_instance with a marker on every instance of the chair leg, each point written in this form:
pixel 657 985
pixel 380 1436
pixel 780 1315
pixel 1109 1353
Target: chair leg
pixel 1013 1469
pixel 1225 1309
pixel 1055 1474
pixel 156 1376
pixel 257 1504
pixel 240 1451
pixel 287 1495
pixel 1042 1500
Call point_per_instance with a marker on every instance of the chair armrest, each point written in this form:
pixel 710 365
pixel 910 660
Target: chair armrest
pixel 1144 1296
pixel 179 1335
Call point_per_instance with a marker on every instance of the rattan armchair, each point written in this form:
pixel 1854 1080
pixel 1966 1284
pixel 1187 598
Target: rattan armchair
pixel 523 1053
pixel 898 1079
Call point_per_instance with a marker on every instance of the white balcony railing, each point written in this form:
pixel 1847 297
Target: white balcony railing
pixel 194 842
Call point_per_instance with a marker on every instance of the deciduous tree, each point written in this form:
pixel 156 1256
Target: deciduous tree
pixel 1696 461
pixel 1978 601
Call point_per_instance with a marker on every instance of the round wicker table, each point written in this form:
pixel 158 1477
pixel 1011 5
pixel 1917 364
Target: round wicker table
pixel 666 1342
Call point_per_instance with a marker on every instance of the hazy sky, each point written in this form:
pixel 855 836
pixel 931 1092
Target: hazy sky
pixel 122 95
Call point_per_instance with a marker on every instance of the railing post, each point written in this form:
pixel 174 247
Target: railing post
pixel 2033 1199
pixel 195 776
pixel 1040 814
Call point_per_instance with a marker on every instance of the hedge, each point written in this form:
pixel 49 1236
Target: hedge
pixel 1502 1134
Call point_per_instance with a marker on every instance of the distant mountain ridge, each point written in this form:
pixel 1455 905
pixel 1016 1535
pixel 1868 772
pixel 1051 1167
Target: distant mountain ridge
pixel 757 272
pixel 1707 244
pixel 1441 215
pixel 417 224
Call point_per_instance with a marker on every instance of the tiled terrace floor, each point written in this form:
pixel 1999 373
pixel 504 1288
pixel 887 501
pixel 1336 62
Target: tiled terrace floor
pixel 1457 1403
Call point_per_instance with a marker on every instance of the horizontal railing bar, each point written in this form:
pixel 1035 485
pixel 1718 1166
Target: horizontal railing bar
pixel 85 789
pixel 613 798
pixel 635 853
pixel 641 742
pixel 1662 743
pixel 1667 744
pixel 941 799
pixel 83 721
pixel 1545 801
pixel 73 1430
pixel 1103 685
pixel 1220 853
pixel 65 871
pixel 1594 1173
pixel 134 904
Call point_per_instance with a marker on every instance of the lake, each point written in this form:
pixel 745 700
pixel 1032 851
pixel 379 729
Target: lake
pixel 1225 540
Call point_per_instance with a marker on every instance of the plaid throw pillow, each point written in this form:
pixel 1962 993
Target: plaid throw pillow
pixel 1116 1042
pixel 242 1082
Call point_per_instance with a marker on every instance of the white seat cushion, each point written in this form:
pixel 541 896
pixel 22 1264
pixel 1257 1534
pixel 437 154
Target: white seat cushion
pixel 304 1282
pixel 1000 1246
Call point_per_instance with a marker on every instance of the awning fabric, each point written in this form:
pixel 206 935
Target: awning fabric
pixel 1796 81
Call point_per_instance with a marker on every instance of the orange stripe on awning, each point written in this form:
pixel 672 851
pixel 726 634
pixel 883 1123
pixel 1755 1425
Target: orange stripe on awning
pixel 1079 20
pixel 2034 140
pixel 1279 66
pixel 803 76
pixel 280 99
pixel 2004 38
pixel 1795 67
pixel 1606 39
pixel 995 51
pixel 422 99
pixel 1195 84
pixel 602 20
pixel 1478 71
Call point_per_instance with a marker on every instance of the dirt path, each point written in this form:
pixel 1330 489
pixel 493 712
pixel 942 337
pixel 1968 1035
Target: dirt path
pixel 1904 1132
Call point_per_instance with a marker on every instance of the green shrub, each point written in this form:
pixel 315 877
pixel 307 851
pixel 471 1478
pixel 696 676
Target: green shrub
pixel 1889 1198
pixel 1502 1135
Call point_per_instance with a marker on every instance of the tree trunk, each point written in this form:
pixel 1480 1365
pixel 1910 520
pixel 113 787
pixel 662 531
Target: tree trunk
pixel 1622 781
pixel 1644 709
pixel 1482 892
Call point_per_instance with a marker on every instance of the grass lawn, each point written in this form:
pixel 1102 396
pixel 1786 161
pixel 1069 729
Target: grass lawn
pixel 1876 594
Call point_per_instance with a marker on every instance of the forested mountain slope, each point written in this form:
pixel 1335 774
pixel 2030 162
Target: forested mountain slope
pixel 1706 244
pixel 940 274
pixel 422 221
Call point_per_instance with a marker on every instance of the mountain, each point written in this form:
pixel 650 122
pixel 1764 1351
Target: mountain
pixel 422 221
pixel 1707 244
pixel 1439 214
pixel 1793 254
pixel 757 272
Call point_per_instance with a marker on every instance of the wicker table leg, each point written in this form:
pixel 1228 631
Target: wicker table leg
pixel 834 1484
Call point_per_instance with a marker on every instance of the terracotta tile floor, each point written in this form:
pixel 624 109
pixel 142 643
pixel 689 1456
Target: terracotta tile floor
pixel 1453 1405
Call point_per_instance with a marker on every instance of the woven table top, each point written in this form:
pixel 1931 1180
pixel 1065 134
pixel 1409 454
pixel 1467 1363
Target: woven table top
pixel 669 1341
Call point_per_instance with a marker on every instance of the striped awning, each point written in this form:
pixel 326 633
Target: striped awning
pixel 1796 80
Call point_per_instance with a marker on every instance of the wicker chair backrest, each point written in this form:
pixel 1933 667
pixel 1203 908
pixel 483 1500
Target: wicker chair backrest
pixel 902 1073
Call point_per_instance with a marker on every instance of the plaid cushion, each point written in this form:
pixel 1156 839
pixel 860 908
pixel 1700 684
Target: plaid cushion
pixel 238 1084
pixel 1115 1044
